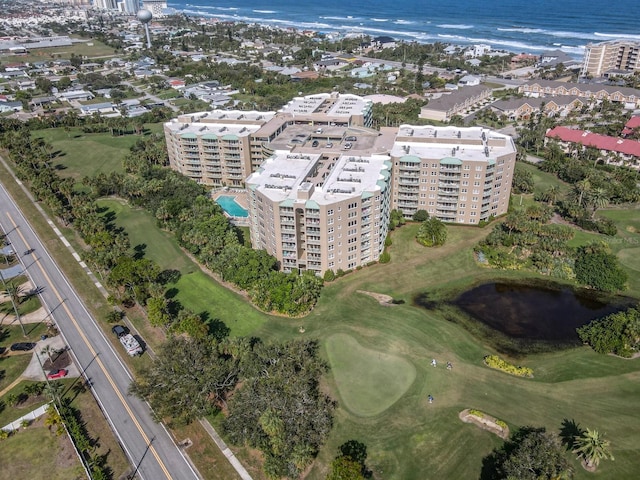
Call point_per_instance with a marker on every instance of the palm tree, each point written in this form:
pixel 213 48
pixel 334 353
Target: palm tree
pixel 592 447
pixel 551 194
pixel 14 292
pixel 598 198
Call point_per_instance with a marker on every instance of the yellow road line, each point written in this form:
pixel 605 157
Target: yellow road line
pixel 95 356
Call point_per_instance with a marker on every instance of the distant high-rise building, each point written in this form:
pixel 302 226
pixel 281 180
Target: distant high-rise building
pixel 156 7
pixel 600 58
pixel 129 6
pixel 105 4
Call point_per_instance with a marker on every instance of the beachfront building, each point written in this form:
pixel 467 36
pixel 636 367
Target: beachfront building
pixel 613 150
pixel 460 175
pixel 614 55
pixel 590 91
pixel 455 103
pixel 216 148
pixel 320 211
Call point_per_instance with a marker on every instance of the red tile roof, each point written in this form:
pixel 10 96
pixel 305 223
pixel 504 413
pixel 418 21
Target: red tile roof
pixel 601 142
pixel 634 122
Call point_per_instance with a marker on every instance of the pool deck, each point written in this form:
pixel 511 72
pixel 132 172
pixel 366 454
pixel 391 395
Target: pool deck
pixel 241 198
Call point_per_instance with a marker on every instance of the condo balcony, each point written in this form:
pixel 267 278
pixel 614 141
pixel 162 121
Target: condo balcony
pixel 446 207
pixel 408 167
pixel 402 188
pixel 405 195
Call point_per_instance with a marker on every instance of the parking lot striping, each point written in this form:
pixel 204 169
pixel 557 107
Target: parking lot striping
pixel 95 355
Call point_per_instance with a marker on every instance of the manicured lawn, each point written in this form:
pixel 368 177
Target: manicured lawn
pixel 87 154
pixel 156 244
pixel 38 454
pixel 368 381
pixel 543 180
pixel 11 367
pixel 410 438
pixel 195 290
pixel 201 294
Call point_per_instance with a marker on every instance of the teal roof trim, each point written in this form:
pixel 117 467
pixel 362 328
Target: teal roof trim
pixel 209 136
pixel 385 173
pixel 366 195
pixel 387 163
pixel 382 184
pixel 312 205
pixel 230 137
pixel 410 159
pixel 491 161
pixel 188 135
pixel 287 203
pixel 450 161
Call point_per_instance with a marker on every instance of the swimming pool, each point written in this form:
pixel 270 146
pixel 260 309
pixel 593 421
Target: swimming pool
pixel 231 207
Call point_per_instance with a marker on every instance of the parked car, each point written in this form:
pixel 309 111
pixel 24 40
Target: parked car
pixel 22 346
pixel 351 138
pixel 318 130
pixel 315 143
pixel 347 146
pixel 60 373
pixel 329 144
pixel 119 330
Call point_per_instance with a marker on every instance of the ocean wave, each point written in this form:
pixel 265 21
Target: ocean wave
pixel 550 33
pixel 264 11
pixel 380 20
pixel 326 17
pixel 209 7
pixel 454 26
pixel 617 35
pixel 404 22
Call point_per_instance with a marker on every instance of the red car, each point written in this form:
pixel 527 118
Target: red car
pixel 60 373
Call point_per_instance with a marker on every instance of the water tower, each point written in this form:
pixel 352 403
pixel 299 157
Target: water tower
pixel 145 17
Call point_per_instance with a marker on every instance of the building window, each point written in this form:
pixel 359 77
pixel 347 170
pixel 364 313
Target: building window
pixel 467 167
pixel 330 211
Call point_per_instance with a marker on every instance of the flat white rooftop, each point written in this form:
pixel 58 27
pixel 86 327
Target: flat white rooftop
pixel 470 143
pixel 284 175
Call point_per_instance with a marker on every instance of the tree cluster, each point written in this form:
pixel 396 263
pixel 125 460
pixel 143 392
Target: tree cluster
pixel 525 239
pixel 269 391
pixel 596 267
pixel 618 333
pixel 280 408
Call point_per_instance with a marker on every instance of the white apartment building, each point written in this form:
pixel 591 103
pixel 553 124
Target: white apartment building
pixel 320 212
pixel 460 175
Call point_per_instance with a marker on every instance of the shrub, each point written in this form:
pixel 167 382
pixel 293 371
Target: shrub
pixel 502 424
pixel 476 413
pixel 385 257
pixel 329 276
pixel 493 361
pixel 420 216
pixel 388 241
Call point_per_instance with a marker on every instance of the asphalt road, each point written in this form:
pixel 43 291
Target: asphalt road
pixel 150 449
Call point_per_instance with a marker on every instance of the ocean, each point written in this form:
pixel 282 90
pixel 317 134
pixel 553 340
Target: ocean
pixel 531 26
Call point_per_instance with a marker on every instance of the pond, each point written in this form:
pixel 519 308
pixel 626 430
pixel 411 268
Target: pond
pixel 548 313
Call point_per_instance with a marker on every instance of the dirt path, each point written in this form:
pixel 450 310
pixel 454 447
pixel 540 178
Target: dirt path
pixel 11 385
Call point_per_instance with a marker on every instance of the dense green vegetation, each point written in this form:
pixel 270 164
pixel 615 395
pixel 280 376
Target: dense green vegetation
pixel 617 333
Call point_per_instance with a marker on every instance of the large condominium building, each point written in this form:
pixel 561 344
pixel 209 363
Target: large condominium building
pixel 216 148
pixel 460 175
pixel 320 211
pixel 331 109
pixel 222 148
pixel 621 55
